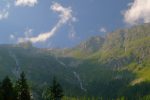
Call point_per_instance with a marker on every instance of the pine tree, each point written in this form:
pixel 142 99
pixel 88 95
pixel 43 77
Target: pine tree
pixel 22 88
pixel 7 91
pixel 54 92
pixel 0 91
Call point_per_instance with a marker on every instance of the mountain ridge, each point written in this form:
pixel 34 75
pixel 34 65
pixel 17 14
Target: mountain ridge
pixel 121 57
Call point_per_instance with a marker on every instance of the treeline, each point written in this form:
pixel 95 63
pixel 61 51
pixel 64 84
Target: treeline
pixel 20 91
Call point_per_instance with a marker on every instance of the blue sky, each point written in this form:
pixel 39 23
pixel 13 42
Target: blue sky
pixel 65 23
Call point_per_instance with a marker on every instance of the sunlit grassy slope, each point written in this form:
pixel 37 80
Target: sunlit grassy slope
pixel 119 59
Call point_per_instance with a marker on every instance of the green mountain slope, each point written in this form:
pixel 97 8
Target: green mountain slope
pixel 84 49
pixel 99 66
pixel 38 64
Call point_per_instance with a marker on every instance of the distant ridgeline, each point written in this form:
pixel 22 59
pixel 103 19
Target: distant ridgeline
pixel 113 66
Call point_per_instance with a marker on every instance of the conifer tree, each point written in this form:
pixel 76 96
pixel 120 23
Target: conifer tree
pixel 7 91
pixel 22 88
pixel 0 91
pixel 54 92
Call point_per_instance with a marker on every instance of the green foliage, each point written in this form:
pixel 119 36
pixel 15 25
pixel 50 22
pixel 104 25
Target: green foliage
pixel 22 88
pixel 7 90
pixel 53 92
pixel 106 66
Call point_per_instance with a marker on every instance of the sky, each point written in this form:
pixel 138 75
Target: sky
pixel 65 23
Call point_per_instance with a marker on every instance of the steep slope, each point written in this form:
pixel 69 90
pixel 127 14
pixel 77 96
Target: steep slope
pixel 96 67
pixel 122 56
pixel 39 66
pixel 127 49
pixel 83 50
pixel 88 47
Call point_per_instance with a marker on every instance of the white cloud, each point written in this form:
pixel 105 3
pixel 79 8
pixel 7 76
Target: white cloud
pixel 103 30
pixel 65 15
pixel 4 14
pixel 72 32
pixel 28 33
pixel 29 3
pixel 12 36
pixel 138 12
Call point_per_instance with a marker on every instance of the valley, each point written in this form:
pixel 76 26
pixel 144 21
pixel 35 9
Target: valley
pixel 102 66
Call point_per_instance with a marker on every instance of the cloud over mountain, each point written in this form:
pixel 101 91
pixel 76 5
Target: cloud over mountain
pixel 138 12
pixel 65 15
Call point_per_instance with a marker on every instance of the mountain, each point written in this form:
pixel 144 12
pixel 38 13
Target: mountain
pixel 87 47
pixel 118 62
pixel 39 65
pixel 84 49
